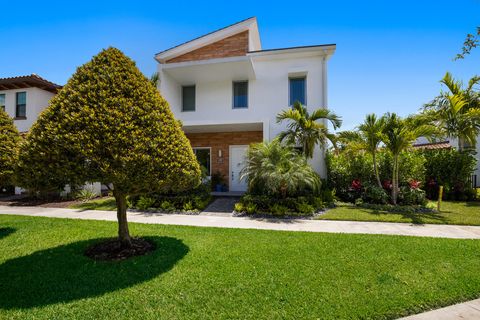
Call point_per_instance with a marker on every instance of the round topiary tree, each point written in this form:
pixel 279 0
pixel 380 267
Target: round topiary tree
pixel 9 139
pixel 109 124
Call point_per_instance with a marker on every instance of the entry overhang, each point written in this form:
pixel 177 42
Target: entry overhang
pixel 222 69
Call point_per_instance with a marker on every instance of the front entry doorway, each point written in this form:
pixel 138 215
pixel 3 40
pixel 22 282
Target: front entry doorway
pixel 237 163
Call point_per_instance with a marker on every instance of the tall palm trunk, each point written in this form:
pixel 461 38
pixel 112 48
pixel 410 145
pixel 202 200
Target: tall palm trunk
pixel 395 179
pixel 461 144
pixel 123 233
pixel 375 169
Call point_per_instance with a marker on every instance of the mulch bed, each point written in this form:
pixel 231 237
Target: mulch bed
pixel 112 249
pixel 23 201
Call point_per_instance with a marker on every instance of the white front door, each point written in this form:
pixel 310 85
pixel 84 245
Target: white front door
pixel 237 162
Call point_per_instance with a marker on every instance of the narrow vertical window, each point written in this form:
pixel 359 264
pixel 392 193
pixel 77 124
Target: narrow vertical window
pixel 21 106
pixel 240 94
pixel 203 158
pixel 297 90
pixel 2 101
pixel 188 98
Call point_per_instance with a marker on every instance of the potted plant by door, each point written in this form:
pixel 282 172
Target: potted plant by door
pixel 218 182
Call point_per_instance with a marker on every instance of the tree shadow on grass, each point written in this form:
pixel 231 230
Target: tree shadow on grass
pixel 64 274
pixel 414 217
pixel 6 231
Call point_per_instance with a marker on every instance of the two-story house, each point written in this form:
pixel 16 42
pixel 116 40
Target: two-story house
pixel 227 91
pixel 23 98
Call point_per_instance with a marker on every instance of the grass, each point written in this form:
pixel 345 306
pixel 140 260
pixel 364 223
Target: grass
pixel 461 213
pixel 202 273
pixel 107 203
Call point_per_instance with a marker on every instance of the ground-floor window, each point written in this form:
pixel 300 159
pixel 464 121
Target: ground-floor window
pixel 204 158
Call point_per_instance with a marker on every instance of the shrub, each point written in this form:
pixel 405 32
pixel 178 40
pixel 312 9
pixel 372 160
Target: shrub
pixel 10 139
pixel 239 207
pixel 167 206
pixel 251 208
pixel 412 196
pixel 375 194
pixel 188 206
pixel 305 208
pixel 145 203
pixel 453 170
pixel 277 169
pixel 110 124
pixel 194 199
pixel 85 195
pixel 349 173
pixel 278 210
pixel 305 205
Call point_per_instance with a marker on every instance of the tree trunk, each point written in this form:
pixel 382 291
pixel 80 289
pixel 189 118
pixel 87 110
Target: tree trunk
pixel 460 144
pixel 375 169
pixel 394 181
pixel 123 233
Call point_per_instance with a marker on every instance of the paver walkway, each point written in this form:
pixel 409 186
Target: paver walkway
pixel 428 230
pixel 222 207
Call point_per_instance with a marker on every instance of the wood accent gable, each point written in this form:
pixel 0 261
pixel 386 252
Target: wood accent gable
pixel 233 46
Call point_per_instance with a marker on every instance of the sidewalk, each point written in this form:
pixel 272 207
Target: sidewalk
pixel 429 230
pixel 466 310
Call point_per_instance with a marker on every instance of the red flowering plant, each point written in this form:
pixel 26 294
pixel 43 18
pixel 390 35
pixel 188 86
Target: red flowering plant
pixel 414 184
pixel 356 185
pixel 387 184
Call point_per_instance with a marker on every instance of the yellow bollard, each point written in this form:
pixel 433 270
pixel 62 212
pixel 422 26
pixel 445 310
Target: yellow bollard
pixel 440 196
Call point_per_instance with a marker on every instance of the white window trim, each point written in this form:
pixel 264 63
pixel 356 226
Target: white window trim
pixel 233 94
pixel 297 76
pixel 195 105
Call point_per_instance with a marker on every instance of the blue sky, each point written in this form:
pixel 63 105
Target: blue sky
pixel 390 55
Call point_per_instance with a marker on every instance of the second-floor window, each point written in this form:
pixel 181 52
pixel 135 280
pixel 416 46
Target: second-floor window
pixel 21 108
pixel 297 90
pixel 240 94
pixel 188 98
pixel 2 101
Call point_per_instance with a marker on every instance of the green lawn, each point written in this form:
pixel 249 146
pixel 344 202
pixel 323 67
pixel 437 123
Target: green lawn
pixel 107 203
pixel 204 273
pixel 462 213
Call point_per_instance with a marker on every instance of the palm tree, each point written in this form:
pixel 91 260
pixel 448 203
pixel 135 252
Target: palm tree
pixel 277 169
pixel 154 78
pixel 368 137
pixel 307 130
pixel 398 135
pixel 457 112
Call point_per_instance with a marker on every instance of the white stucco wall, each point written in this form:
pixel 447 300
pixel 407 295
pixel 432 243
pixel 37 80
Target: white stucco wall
pixel 37 101
pixel 268 94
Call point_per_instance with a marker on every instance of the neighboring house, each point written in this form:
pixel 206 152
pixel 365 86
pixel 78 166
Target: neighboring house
pixel 423 143
pixel 24 97
pixel 227 91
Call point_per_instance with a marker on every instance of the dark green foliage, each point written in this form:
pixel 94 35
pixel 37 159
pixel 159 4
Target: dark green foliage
pixel 297 206
pixel 374 194
pixel 278 170
pixel 108 124
pixel 412 196
pixel 145 203
pixel 345 167
pixel 452 169
pixel 194 199
pixel 9 140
